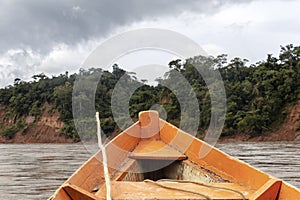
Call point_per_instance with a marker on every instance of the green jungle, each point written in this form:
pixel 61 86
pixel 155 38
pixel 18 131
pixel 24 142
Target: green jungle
pixel 257 95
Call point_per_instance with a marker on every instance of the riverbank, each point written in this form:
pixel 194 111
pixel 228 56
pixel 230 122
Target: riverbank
pixel 277 136
pixel 43 129
pixel 47 130
pixel 288 131
pixel 46 134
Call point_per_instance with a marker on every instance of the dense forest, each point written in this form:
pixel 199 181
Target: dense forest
pixel 257 95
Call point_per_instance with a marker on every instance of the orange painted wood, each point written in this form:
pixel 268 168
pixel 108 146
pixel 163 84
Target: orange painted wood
pixel 288 191
pixel 117 153
pixel 129 166
pixel 146 190
pixel 149 122
pixel 269 191
pixel 60 195
pixel 169 142
pixel 155 150
pixel 212 158
pixel 77 193
pixel 90 174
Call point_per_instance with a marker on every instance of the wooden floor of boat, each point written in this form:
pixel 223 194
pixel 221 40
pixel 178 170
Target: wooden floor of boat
pixel 149 190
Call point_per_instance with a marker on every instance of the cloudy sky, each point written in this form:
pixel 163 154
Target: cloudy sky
pixel 54 37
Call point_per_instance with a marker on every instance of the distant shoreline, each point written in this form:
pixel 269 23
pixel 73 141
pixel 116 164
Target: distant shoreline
pixel 47 131
pixel 243 137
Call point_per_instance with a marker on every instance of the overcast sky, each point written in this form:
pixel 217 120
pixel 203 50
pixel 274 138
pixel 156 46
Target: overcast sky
pixel 54 37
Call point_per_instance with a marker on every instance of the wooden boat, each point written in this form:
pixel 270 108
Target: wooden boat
pixel 187 174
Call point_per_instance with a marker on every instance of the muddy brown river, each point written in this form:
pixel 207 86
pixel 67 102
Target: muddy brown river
pixel 35 171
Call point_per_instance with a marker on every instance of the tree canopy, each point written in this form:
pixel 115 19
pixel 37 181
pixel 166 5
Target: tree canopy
pixel 256 94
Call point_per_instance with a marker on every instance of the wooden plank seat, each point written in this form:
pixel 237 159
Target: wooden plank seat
pixel 156 150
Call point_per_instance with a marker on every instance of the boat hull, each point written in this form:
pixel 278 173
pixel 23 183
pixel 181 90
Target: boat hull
pixel 193 169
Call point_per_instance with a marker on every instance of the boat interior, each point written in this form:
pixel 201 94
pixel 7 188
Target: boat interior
pixel 153 159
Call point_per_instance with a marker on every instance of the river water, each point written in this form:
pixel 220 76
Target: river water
pixel 35 171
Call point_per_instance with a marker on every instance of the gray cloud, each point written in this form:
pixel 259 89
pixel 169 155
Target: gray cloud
pixel 39 25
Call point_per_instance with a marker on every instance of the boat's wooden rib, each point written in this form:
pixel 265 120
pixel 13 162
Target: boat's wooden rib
pixel 77 193
pixel 268 190
pixel 288 191
pixel 151 141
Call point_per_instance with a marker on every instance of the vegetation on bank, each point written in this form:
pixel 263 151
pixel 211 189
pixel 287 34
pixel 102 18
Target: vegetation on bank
pixel 257 94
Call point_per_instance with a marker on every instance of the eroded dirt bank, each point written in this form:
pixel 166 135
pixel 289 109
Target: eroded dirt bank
pixel 286 132
pixel 46 129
